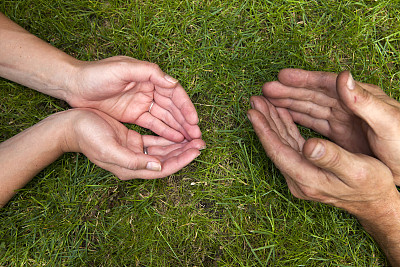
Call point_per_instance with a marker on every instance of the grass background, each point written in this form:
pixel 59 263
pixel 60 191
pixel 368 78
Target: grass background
pixel 231 207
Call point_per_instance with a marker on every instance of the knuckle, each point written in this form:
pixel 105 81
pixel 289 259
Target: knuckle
pixel 366 98
pixel 395 114
pixel 334 160
pixel 309 110
pixel 314 194
pixel 132 164
pixel 310 192
pixel 123 177
pixel 103 154
pixel 296 193
pixel 153 66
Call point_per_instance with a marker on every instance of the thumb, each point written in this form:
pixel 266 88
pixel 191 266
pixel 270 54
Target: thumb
pixel 145 71
pixel 329 156
pixel 376 112
pixel 128 159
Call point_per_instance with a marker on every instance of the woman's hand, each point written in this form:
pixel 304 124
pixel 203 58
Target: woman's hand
pixel 138 92
pixel 112 146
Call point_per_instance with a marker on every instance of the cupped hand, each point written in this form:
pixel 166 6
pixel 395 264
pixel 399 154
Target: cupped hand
pixel 138 92
pixel 362 120
pixel 110 145
pixel 312 100
pixel 320 170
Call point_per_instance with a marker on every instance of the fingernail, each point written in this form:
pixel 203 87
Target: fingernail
pixel 249 117
pixel 319 151
pixel 170 79
pixel 153 166
pixel 350 82
pixel 203 147
pixel 252 104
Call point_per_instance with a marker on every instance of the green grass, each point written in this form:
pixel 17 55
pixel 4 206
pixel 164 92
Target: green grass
pixel 231 207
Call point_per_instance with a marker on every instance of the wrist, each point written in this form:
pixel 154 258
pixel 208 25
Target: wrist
pixel 74 122
pixel 380 213
pixel 383 224
pixel 62 129
pixel 70 81
pixel 68 141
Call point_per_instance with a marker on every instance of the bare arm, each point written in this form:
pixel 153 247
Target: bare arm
pixel 26 154
pixel 105 141
pixel 384 227
pixel 30 61
pixel 123 87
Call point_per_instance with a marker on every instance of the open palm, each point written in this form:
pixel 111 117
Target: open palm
pixel 112 146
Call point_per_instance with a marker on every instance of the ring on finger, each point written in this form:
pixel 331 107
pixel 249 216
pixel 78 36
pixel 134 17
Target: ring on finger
pixel 145 150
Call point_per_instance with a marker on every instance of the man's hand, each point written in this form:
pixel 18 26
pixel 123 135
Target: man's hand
pixel 357 116
pixel 112 146
pixel 136 92
pixel 319 170
pixel 322 171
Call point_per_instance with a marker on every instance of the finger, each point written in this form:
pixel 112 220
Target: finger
pixel 142 71
pixel 152 140
pixel 127 159
pixel 152 123
pixel 289 161
pixel 277 90
pixel 274 145
pixel 164 115
pixel 190 131
pixel 377 112
pixel 180 115
pixel 271 114
pixel 291 128
pixel 147 141
pixel 318 110
pixel 321 126
pixel 175 149
pixel 331 157
pixel 180 99
pixel 169 166
pixel 318 81
pixel 259 103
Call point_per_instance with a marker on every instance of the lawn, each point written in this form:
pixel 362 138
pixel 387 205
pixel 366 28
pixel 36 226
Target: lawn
pixel 231 206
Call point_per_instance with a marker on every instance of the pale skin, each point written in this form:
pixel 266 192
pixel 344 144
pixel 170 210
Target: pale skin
pixel 120 86
pixel 362 121
pixel 123 89
pixel 104 93
pixel 105 141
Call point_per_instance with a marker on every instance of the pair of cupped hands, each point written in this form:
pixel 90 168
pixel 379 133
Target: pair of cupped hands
pixel 358 167
pixel 107 93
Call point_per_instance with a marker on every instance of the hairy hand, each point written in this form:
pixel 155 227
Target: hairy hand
pixel 318 169
pixel 362 119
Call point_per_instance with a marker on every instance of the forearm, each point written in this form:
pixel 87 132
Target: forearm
pixel 384 227
pixel 28 60
pixel 26 154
